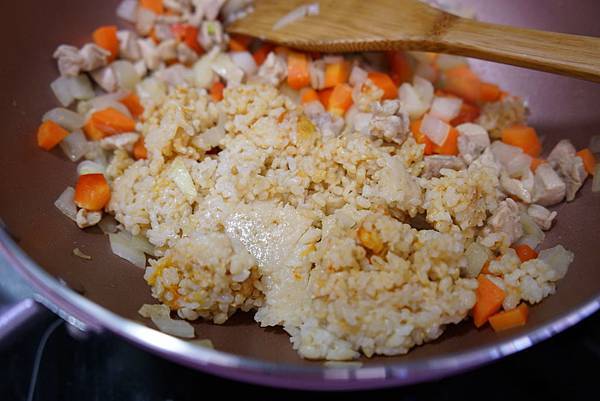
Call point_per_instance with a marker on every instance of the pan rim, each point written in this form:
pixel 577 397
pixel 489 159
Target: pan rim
pixel 87 315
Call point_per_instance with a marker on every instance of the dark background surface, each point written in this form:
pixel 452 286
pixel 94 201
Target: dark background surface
pixel 107 368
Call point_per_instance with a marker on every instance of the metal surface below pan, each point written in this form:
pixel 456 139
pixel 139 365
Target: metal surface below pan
pixel 113 290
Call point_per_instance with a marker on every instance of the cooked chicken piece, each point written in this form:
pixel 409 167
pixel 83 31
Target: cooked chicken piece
pixel 144 21
pixel 389 122
pixel 521 188
pixel 211 34
pixel 563 150
pixel 185 54
pixel 149 53
pixel 572 171
pixel 328 124
pixel 496 116
pixel 71 60
pixel 542 216
pixel 121 141
pixel 317 74
pixel 357 76
pixel 487 160
pixel 473 139
pixel 128 45
pixel 434 164
pixel 86 218
pixel 506 219
pixel 549 189
pixel 273 70
pixel 105 77
pixel 175 75
pixel 167 50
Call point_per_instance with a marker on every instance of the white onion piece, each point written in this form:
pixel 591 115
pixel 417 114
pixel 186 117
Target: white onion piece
pixel 161 317
pixel 596 180
pixel 66 204
pixel 90 167
pixel 595 144
pixel 357 76
pixel 142 243
pixel 412 103
pixel 75 145
pixel 66 118
pixel 152 89
pixel 182 178
pixel 435 129
pixel 476 255
pixel 445 108
pixel 558 258
pixel 62 90
pixel 108 224
pixel 245 61
pixel 203 74
pixel 127 10
pixel 127 76
pixel 447 61
pixel 121 245
pixel 144 20
pixel 226 69
pixel 519 165
pixel 81 87
pixel 424 90
pixel 532 231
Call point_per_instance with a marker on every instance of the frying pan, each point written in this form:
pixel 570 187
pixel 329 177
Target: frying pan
pixel 106 292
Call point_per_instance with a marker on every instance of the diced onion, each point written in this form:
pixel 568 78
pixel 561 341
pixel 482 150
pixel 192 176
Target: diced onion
pixel 411 101
pixel 424 90
pixel 203 74
pixel 90 167
pixel 75 145
pixel 596 180
pixel 121 244
pixel 477 255
pixel 519 165
pixel 447 61
pixel 532 233
pixel 81 87
pixel 182 178
pixel 127 76
pixel 558 258
pixel 226 69
pixel 161 317
pixel 108 101
pixel 144 20
pixel 595 144
pixel 152 89
pixel 435 129
pixel 127 10
pixel 357 76
pixel 245 61
pixel 445 108
pixel 66 204
pixel 66 118
pixel 62 90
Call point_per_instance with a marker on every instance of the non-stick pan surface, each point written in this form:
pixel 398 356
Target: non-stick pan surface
pixel 31 180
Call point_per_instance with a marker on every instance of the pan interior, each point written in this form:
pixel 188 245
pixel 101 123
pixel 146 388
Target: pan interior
pixel 32 179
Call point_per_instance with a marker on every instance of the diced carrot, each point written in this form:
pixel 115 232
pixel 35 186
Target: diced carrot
pixel 308 95
pixel 92 192
pixel 589 160
pixel 239 43
pixel 106 38
pixel 187 34
pixel 298 75
pixel 523 137
pixel 510 318
pixel 400 69
pixel 111 121
pixel 216 91
pixel 156 6
pixel 50 134
pixel 489 300
pixel 525 252
pixel 450 145
pixel 535 163
pixel 260 54
pixel 486 268
pixel 324 96
pixel 139 149
pixel 132 102
pixel 421 138
pixel 468 113
pixel 340 100
pixel 463 82
pixel 336 73
pixel 489 92
pixel 92 132
pixel 385 83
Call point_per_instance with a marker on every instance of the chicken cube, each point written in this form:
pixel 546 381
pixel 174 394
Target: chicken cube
pixel 434 164
pixel 542 216
pixel 473 139
pixel 549 189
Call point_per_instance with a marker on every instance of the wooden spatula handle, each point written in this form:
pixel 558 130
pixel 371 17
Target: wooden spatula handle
pixel 573 55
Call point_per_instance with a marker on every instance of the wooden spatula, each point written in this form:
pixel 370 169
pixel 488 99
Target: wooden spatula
pixel 362 25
